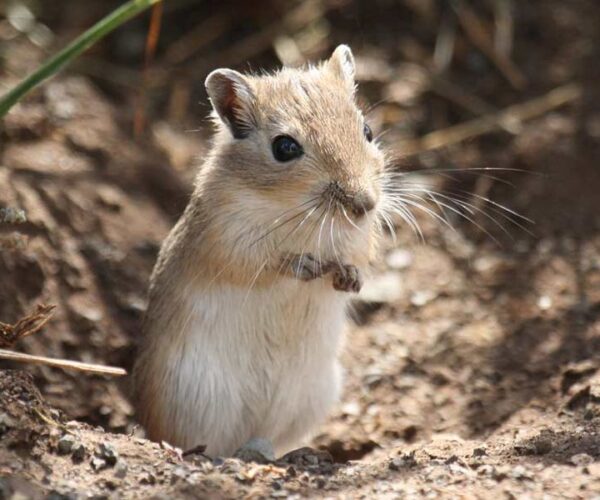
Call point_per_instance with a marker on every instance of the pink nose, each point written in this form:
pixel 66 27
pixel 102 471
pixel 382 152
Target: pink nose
pixel 362 203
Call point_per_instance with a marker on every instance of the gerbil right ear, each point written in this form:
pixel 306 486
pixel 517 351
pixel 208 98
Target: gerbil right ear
pixel 232 99
pixel 342 64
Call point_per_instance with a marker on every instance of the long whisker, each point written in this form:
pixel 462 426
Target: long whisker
pixel 335 254
pixel 321 229
pixel 461 197
pixel 288 235
pixel 281 224
pixel 350 221
pixel 427 210
pixel 461 214
pixel 388 223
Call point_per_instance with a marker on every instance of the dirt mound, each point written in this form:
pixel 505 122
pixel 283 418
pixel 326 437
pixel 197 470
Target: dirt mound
pixel 43 454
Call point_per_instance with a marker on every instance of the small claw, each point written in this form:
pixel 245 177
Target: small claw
pixel 305 267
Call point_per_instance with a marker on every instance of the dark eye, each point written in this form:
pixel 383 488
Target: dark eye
pixel 368 132
pixel 285 148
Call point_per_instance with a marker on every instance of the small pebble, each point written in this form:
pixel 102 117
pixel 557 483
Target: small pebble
pixel 65 444
pixel 544 303
pixel 486 470
pixel 422 297
pixel 581 459
pixel 12 215
pixel 399 258
pixel 147 478
pixel 6 422
pixel 78 452
pixel 386 287
pixel 108 453
pixel 520 472
pixel 121 468
pixel 256 450
pixel 97 463
pixel 179 474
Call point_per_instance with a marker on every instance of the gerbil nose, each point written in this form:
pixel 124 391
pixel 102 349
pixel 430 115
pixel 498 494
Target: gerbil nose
pixel 362 203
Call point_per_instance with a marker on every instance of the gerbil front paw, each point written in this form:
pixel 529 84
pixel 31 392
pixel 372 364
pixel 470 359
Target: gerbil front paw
pixel 346 278
pixel 304 267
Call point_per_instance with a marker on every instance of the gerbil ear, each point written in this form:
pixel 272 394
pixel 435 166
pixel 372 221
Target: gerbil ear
pixel 341 63
pixel 232 99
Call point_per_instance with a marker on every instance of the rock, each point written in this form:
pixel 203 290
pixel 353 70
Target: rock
pixel 486 470
pixel 65 444
pixel 11 215
pixel 581 459
pixel 544 302
pixel 147 478
pixel 520 472
pixel 230 466
pixel 78 452
pixel 6 422
pixel 351 408
pixel 384 288
pixel 404 462
pixel 121 468
pixel 422 297
pixel 256 450
pixel 98 463
pixel 307 456
pixel 179 474
pixel 399 258
pixel 107 452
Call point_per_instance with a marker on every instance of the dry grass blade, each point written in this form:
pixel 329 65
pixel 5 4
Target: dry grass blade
pixel 476 31
pixel 488 123
pixel 62 363
pixel 9 334
pixel 151 44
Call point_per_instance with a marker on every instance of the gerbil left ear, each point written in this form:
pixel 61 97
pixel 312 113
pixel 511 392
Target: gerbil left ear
pixel 232 98
pixel 341 63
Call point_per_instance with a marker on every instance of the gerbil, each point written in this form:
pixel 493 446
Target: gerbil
pixel 248 299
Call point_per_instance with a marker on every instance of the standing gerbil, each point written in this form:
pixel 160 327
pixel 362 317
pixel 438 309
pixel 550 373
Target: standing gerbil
pixel 247 305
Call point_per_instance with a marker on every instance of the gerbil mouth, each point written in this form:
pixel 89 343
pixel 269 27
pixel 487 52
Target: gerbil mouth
pixel 356 205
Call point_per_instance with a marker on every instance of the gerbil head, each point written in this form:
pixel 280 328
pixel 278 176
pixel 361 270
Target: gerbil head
pixel 295 143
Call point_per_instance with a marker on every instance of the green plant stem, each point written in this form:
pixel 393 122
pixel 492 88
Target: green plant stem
pixel 71 51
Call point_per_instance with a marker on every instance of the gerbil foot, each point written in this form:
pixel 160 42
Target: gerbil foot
pixel 346 278
pixel 307 456
pixel 305 267
pixel 257 450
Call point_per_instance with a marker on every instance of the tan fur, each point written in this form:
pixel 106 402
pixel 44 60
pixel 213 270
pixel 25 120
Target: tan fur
pixel 240 190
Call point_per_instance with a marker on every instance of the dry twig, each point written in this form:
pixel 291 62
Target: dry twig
pixel 488 123
pixel 62 363
pixel 151 44
pixel 9 334
pixel 477 33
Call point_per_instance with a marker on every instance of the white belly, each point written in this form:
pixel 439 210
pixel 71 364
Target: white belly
pixel 259 364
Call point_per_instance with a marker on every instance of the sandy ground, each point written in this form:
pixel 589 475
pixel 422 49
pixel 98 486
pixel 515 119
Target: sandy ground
pixel 471 365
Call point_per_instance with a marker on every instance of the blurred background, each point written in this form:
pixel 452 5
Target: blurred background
pixel 467 332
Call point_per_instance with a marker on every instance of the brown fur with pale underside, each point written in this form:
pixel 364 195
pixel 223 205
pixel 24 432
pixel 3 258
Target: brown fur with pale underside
pixel 240 190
